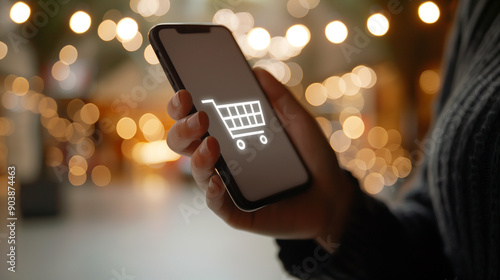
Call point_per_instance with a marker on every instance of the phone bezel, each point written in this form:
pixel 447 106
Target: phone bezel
pixel 221 166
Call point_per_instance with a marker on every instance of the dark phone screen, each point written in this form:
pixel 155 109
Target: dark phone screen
pixel 253 143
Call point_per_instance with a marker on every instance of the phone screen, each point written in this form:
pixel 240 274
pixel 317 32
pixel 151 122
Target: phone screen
pixel 254 144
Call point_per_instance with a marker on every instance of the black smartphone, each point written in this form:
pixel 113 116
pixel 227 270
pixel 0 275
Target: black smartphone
pixel 258 164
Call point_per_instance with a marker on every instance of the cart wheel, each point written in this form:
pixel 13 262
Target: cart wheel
pixel 241 145
pixel 263 139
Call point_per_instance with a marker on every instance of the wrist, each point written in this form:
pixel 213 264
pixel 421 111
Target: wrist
pixel 340 213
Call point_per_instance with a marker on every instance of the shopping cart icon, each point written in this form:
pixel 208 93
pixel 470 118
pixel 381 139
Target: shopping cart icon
pixel 241 120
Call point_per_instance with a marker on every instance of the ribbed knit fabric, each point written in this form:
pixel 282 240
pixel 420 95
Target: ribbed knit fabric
pixel 447 227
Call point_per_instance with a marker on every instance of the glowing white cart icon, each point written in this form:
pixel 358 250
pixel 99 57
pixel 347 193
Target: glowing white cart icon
pixel 241 120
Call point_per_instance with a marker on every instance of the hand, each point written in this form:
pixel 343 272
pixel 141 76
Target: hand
pixel 321 211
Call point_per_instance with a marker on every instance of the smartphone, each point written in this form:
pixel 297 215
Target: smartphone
pixel 258 164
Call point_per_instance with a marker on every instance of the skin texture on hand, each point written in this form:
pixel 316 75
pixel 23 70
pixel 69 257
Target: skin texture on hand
pixel 320 212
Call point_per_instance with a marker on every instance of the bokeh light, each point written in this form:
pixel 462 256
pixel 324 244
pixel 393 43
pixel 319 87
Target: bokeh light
pixel 335 87
pixel 298 35
pixel 374 183
pixel 153 153
pixel 153 130
pixel 127 28
pixel 377 24
pixel 367 76
pixel 325 125
pixel 227 18
pixel 316 94
pixel 336 32
pixel 126 128
pixel 107 30
pixel 3 50
pixel 80 22
pixel 68 55
pixel 296 9
pixel 259 38
pixel 134 43
pixel 77 165
pixel 74 107
pixel 309 4
pixel 20 86
pixel 89 113
pixel 6 126
pixel 60 71
pixel 339 141
pixel 428 12
pixel 351 84
pixel 403 166
pixel 430 82
pixel 367 156
pixel 353 127
pixel 150 56
pixel 20 12
pixel 101 176
pixel 378 137
pixel 77 180
pixel 47 107
pixel 54 157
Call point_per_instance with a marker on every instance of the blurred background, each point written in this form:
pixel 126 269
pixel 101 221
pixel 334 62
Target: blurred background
pixel 99 195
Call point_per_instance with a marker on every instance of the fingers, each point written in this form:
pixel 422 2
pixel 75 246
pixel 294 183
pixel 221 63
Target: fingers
pixel 219 201
pixel 180 105
pixel 184 136
pixel 203 161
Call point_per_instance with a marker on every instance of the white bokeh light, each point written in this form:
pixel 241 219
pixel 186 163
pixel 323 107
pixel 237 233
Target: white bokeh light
pixel 377 24
pixel 80 22
pixel 428 12
pixel 298 35
pixel 127 28
pixel 20 12
pixel 336 32
pixel 259 38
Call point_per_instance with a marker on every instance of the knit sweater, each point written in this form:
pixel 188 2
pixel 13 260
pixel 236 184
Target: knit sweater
pixel 447 226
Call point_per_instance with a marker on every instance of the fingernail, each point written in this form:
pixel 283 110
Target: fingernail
pixel 193 122
pixel 204 148
pixel 175 100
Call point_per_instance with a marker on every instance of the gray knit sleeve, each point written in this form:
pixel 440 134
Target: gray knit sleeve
pixel 378 243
